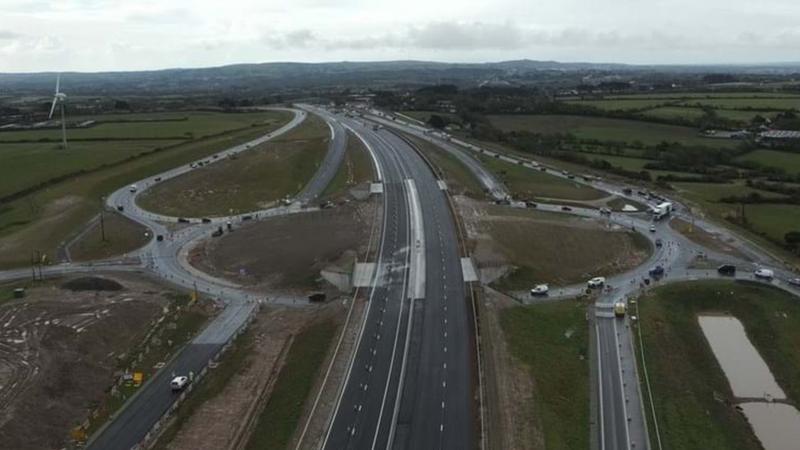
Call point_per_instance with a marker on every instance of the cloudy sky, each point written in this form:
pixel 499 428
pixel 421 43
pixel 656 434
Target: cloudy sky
pixel 92 35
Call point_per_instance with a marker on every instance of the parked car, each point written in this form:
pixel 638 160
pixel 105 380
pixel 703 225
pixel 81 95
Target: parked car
pixel 540 289
pixel 596 282
pixel 179 382
pixel 794 281
pixel 727 269
pixel 764 274
pixel 659 242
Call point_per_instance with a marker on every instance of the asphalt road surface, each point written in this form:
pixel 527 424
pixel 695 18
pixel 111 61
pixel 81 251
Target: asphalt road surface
pixel 411 381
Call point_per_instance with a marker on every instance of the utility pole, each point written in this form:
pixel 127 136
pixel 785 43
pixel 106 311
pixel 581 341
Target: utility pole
pixel 102 221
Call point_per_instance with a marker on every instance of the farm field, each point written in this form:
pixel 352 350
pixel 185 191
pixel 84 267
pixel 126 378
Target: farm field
pixel 789 162
pixel 673 112
pixel 774 220
pixel 196 125
pixel 754 103
pixel 605 129
pixel 621 104
pixel 625 162
pixel 26 165
pixel 683 95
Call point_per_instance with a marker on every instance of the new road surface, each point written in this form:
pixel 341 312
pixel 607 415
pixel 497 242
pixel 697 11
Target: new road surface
pixel 411 382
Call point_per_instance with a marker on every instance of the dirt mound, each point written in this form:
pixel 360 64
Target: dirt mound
pixel 92 284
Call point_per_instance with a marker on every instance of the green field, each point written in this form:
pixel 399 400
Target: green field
pixel 624 162
pixel 254 180
pixel 691 394
pixel 279 418
pixel 621 104
pixel 789 162
pixel 675 112
pixel 27 165
pixel 604 129
pixel 197 125
pixel 755 103
pixel 551 340
pixel 774 220
pixel 703 95
pixel 40 221
pixel 525 183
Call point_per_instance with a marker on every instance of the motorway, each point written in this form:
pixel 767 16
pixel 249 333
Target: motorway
pixel 620 414
pixel 410 383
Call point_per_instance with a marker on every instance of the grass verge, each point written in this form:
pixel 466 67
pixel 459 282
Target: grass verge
pixel 551 340
pixel 458 178
pixel 122 235
pixel 355 169
pixel 279 419
pixel 693 401
pixel 233 361
pixel 525 183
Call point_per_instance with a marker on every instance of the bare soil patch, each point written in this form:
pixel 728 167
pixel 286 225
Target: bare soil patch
pixel 61 350
pixel 288 252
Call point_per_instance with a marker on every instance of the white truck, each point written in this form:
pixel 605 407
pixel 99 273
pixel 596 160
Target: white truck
pixel 661 210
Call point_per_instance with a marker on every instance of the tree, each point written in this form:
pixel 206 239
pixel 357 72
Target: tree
pixel 437 121
pixel 121 104
pixel 792 238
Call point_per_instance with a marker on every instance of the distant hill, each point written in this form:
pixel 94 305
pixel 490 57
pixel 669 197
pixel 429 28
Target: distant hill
pixel 287 76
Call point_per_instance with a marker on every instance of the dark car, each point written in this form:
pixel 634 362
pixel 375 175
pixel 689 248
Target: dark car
pixel 160 237
pixel 120 208
pixel 659 242
pixel 566 208
pixel 530 204
pixel 657 271
pixel 727 269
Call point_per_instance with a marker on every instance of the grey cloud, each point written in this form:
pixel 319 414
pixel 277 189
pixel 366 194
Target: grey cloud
pixel 460 36
pixel 8 35
pixel 292 39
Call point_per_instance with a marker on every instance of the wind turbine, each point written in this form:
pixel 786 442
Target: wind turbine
pixel 59 98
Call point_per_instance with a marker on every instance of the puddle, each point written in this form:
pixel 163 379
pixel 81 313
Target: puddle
pixel 776 425
pixel 746 371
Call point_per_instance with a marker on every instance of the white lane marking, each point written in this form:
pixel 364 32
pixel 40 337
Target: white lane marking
pixel 622 390
pixel 600 387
